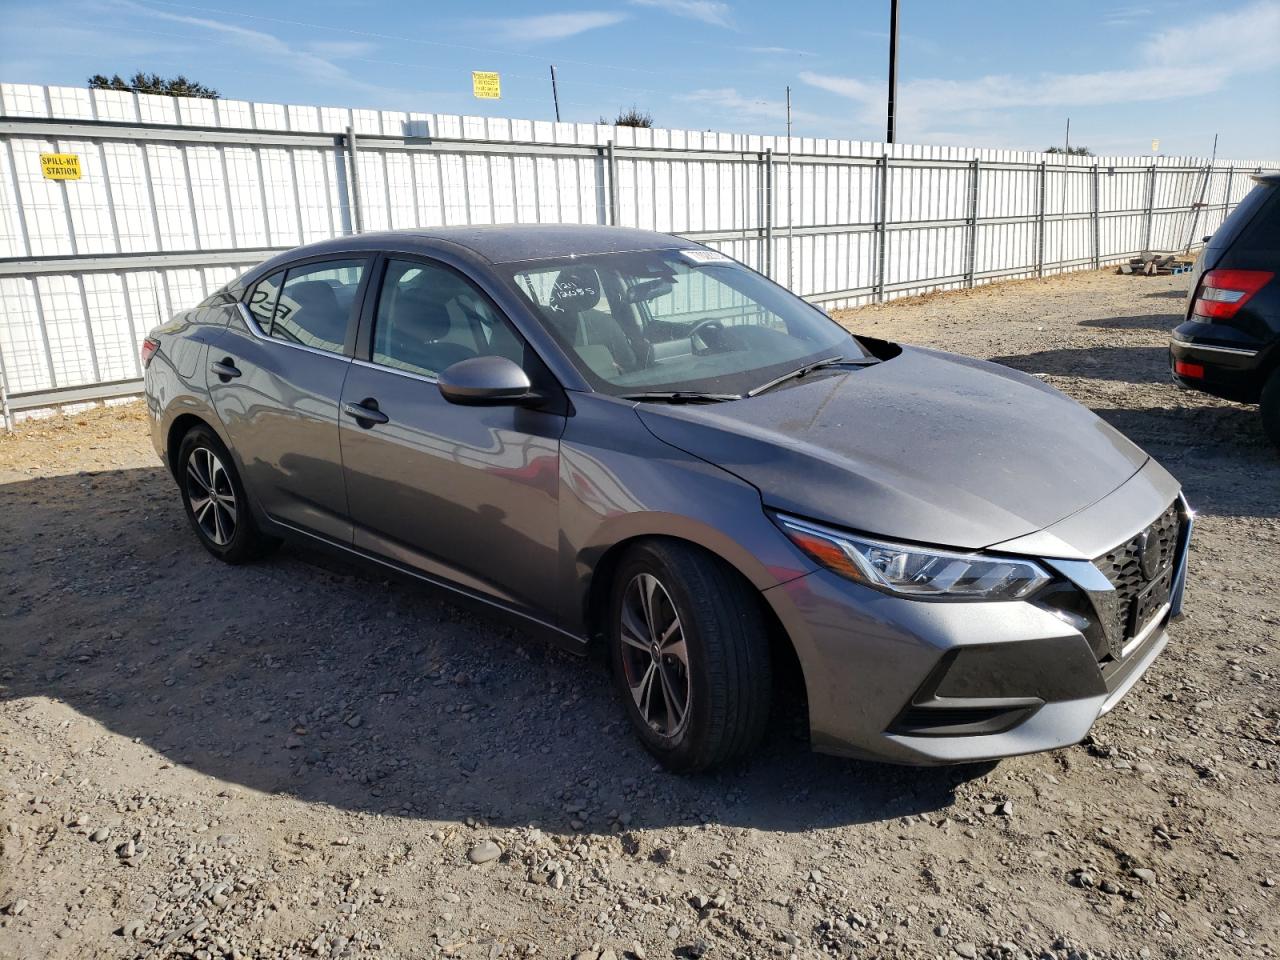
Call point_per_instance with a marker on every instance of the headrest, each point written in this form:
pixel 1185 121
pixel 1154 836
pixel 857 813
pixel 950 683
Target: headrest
pixel 315 295
pixel 576 289
pixel 420 314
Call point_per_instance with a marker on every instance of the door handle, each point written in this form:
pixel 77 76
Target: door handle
pixel 225 369
pixel 366 412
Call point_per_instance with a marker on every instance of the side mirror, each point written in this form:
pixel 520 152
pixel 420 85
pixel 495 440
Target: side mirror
pixel 486 381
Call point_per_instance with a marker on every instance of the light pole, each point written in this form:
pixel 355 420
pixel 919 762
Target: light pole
pixel 893 65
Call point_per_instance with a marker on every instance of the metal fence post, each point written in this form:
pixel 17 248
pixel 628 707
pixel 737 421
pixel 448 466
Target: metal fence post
pixel 882 219
pixel 4 399
pixel 1226 195
pixel 1044 192
pixel 1097 233
pixel 613 183
pixel 353 154
pixel 1195 208
pixel 1150 210
pixel 767 159
pixel 971 252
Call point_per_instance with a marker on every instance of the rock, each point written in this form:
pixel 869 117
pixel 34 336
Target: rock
pixel 484 852
pixel 132 929
pixel 1145 875
pixel 100 834
pixel 1110 886
pixel 965 949
pixel 17 908
pixel 941 930
pixel 1006 809
pixel 227 840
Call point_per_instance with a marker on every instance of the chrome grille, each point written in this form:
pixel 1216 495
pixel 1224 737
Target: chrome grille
pixel 1122 567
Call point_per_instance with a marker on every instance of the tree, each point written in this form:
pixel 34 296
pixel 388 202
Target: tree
pixel 1071 151
pixel 178 86
pixel 631 118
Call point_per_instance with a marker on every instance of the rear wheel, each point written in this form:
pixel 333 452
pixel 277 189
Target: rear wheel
pixel 690 655
pixel 1270 406
pixel 215 501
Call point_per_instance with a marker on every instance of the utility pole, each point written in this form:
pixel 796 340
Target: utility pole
pixel 893 65
pixel 555 94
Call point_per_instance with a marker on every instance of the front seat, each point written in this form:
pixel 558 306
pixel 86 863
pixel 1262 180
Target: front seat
pixel 420 322
pixel 571 309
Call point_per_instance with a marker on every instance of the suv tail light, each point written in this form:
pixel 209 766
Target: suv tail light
pixel 1224 292
pixel 149 348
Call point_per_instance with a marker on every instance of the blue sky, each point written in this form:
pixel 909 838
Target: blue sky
pixel 1002 73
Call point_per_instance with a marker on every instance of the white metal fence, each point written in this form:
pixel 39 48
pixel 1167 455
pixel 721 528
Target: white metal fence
pixel 177 195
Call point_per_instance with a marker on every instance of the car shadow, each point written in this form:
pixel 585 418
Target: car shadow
pixel 1126 364
pixel 334 683
pixel 1163 322
pixel 1167 294
pixel 1216 449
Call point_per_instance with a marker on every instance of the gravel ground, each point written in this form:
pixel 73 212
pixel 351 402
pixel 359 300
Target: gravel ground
pixel 301 758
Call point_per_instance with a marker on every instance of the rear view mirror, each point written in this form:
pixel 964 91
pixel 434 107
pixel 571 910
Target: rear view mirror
pixel 647 290
pixel 486 381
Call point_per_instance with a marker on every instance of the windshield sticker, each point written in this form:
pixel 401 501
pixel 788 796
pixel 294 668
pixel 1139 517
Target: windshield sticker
pixel 705 256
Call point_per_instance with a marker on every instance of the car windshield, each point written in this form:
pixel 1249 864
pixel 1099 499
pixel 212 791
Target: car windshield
pixel 677 321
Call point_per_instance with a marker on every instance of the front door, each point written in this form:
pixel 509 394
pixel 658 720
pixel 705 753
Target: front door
pixel 467 494
pixel 275 378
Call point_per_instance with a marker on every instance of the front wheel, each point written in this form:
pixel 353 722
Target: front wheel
pixel 1270 407
pixel 690 654
pixel 215 501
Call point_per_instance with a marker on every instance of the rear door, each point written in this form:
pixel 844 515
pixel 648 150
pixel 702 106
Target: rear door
pixel 465 494
pixel 275 378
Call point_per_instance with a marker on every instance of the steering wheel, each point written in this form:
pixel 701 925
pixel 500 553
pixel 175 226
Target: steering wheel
pixel 703 345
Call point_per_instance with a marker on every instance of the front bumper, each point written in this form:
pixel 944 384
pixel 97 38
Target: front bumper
pixel 917 682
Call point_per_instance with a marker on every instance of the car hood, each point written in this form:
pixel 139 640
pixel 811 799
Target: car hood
pixel 926 446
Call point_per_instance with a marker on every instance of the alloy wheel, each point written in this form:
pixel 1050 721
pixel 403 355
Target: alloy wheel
pixel 655 656
pixel 212 496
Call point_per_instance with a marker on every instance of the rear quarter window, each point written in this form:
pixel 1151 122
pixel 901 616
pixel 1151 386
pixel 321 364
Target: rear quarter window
pixel 1259 238
pixel 1241 218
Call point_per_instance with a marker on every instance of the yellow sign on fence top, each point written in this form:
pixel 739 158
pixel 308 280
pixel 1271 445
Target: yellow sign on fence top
pixel 486 86
pixel 60 166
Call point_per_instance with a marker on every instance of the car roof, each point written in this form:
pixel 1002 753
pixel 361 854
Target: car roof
pixel 1267 179
pixel 502 244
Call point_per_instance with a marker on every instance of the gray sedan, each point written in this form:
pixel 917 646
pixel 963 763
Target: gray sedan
pixel 629 439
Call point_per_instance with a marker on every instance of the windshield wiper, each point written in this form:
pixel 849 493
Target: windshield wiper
pixel 808 368
pixel 681 396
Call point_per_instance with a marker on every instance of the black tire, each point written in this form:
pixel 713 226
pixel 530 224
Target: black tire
pixel 726 675
pixel 224 522
pixel 1270 406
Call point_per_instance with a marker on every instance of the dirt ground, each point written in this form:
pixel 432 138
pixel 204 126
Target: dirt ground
pixel 300 758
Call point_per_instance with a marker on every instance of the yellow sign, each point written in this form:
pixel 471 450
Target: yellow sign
pixel 486 86
pixel 60 166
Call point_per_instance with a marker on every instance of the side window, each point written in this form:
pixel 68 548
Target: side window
pixel 262 301
pixel 314 305
pixel 430 317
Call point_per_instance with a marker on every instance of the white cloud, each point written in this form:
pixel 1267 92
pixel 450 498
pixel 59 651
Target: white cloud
pixel 708 11
pixel 338 49
pixel 1176 62
pixel 551 26
pixel 727 102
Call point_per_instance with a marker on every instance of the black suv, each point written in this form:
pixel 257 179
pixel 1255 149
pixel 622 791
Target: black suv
pixel 1229 344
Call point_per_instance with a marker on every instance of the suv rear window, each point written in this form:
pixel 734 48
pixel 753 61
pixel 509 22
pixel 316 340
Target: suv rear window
pixel 1240 217
pixel 1259 237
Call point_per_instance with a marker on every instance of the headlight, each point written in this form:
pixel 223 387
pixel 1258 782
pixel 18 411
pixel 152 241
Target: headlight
pixel 915 571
